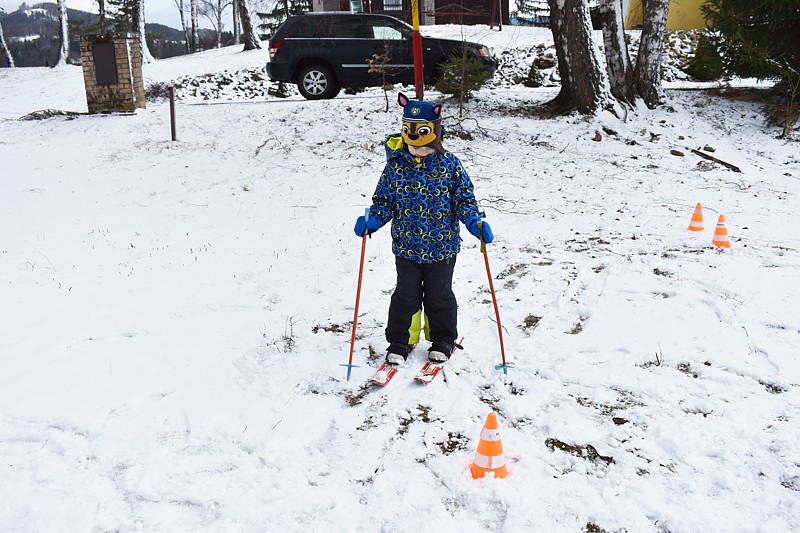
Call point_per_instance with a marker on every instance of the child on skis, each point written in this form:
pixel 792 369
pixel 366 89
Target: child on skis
pixel 425 192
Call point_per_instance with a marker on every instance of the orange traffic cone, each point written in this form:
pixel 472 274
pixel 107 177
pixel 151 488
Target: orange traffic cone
pixel 489 457
pixel 721 239
pixel 697 219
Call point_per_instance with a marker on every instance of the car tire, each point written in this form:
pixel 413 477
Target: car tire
pixel 316 82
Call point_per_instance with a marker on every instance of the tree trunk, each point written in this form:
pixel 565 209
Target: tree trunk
pixel 647 76
pixel 251 40
pixel 195 27
pixel 147 57
pixel 63 54
pixel 182 11
pixel 219 24
pixel 237 38
pixel 101 12
pixel 6 51
pixel 618 61
pixel 583 84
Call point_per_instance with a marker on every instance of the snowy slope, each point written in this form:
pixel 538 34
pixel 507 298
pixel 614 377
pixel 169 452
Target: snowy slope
pixel 175 315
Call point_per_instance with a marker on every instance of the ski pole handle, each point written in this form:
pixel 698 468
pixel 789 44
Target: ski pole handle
pixel 483 243
pixel 366 218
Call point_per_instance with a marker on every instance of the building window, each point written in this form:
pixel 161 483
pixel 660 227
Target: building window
pixel 392 5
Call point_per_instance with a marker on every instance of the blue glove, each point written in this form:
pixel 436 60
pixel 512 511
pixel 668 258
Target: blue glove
pixel 366 225
pixel 472 227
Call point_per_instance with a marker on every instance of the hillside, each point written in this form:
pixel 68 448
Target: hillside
pixel 33 35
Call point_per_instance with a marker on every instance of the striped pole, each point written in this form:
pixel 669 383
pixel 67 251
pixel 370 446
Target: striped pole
pixel 416 41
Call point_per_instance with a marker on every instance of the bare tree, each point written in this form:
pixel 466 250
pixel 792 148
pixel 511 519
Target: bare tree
pixel 182 10
pixel 63 55
pixel 195 27
pixel 4 46
pixel 213 11
pixel 651 48
pixel 147 57
pixel 251 40
pixel 584 86
pixel 618 60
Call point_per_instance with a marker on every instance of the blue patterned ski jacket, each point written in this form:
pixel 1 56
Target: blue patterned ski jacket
pixel 425 199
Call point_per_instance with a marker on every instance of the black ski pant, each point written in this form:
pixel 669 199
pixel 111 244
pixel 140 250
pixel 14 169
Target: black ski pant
pixel 428 285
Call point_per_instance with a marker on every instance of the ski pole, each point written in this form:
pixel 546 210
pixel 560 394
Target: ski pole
pixel 350 364
pixel 505 366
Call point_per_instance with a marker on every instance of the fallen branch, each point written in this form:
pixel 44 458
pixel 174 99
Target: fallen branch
pixel 714 159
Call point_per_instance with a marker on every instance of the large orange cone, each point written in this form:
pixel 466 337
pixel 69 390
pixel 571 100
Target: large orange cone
pixel 697 219
pixel 489 457
pixel 721 239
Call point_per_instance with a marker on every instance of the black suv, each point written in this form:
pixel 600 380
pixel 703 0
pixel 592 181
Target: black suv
pixel 323 52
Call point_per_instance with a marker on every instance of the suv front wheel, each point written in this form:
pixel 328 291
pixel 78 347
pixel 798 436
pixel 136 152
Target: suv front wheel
pixel 316 82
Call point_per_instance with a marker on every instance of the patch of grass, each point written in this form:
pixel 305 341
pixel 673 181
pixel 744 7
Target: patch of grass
pixel 518 268
pixel 773 388
pixel 488 398
pixel 355 398
pixel 455 441
pixel 577 328
pixel 584 451
pixel 686 368
pixel 530 322
pixel 331 328
pixel 516 391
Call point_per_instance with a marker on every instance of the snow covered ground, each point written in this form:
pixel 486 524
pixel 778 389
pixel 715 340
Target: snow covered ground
pixel 174 315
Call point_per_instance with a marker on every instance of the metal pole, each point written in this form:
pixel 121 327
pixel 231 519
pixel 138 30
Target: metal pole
pixel 172 110
pixel 416 41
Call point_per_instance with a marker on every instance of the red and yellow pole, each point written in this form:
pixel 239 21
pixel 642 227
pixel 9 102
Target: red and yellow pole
pixel 416 41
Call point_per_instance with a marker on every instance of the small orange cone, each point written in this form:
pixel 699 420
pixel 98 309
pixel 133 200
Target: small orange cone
pixel 697 219
pixel 489 456
pixel 721 239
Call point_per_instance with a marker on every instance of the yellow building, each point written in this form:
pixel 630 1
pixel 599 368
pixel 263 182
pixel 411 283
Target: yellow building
pixel 683 14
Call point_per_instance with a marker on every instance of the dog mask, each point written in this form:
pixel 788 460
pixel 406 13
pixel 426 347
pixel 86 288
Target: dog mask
pixel 419 121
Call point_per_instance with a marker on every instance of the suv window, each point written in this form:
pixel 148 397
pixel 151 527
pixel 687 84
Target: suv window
pixel 350 29
pixel 311 28
pixel 385 32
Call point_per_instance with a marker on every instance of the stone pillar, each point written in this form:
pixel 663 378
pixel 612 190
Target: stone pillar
pixel 112 72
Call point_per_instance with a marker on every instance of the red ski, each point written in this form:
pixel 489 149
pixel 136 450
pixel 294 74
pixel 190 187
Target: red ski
pixel 429 371
pixel 384 374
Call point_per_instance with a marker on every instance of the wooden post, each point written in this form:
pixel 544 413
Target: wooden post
pixel 172 110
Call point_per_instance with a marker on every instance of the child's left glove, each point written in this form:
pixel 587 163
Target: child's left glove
pixel 364 225
pixel 472 227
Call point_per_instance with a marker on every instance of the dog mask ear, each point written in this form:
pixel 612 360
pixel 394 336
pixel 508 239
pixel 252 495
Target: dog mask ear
pixel 437 110
pixel 402 99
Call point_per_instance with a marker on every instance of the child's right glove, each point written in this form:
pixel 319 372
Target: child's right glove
pixel 472 227
pixel 366 225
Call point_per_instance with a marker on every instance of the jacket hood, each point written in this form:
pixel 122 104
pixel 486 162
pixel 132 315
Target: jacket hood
pixel 395 147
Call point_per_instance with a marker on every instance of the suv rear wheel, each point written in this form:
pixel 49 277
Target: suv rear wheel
pixel 316 82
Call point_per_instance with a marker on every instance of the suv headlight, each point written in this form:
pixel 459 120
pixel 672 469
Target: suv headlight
pixel 484 51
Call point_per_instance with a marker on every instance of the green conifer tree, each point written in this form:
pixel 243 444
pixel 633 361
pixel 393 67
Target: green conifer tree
pixel 760 39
